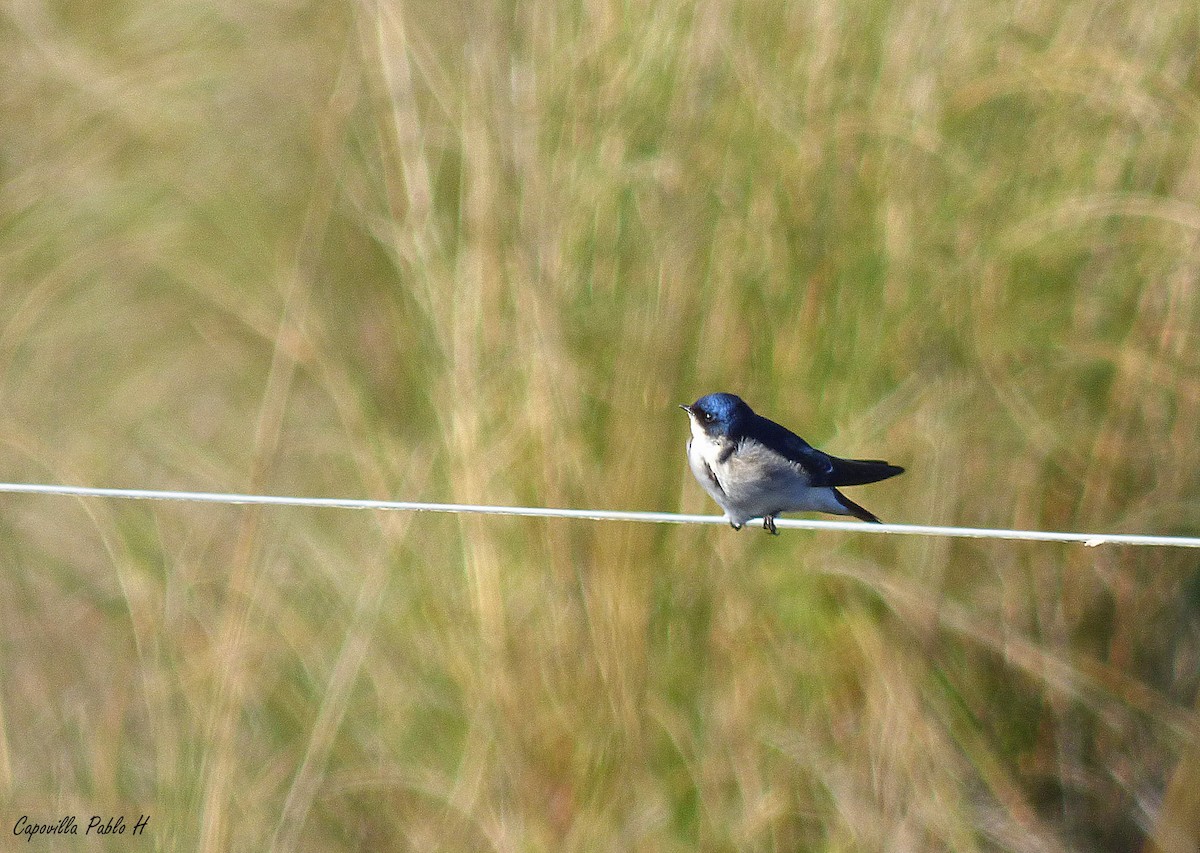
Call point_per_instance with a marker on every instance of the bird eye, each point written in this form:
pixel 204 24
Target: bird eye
pixel 707 417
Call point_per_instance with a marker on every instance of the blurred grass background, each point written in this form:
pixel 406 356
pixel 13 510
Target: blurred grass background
pixel 478 252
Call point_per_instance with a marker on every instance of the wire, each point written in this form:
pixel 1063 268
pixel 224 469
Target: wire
pixel 1089 539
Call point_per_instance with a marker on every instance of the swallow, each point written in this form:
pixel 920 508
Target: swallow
pixel 755 468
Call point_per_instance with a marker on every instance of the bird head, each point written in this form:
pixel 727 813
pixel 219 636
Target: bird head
pixel 718 415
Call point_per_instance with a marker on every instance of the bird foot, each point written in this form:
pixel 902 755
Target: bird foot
pixel 769 525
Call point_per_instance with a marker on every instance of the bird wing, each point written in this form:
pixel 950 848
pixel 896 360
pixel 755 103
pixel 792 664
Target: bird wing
pixel 823 469
pixel 857 472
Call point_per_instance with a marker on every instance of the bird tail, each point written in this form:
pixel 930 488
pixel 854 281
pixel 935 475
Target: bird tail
pixel 855 510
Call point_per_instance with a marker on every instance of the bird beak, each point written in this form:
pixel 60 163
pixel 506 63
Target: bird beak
pixel 686 408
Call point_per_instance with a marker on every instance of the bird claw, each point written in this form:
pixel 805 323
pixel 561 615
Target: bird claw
pixel 769 525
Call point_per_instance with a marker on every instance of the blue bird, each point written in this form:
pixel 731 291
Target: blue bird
pixel 755 468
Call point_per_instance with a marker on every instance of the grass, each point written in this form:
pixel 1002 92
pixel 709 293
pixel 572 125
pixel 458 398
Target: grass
pixel 478 252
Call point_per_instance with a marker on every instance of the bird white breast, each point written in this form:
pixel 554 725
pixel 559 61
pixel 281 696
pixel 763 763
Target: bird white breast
pixel 702 453
pixel 753 480
pixel 704 449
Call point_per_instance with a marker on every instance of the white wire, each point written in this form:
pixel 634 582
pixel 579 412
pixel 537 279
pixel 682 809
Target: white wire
pixel 1089 539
